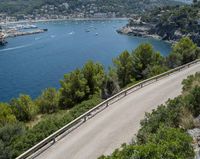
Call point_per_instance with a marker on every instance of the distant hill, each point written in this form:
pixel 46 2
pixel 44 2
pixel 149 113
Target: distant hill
pixel 167 23
pixel 83 7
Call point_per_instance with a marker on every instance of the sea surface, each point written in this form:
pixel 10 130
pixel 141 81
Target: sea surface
pixel 31 63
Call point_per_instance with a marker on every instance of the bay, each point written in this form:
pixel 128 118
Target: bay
pixel 29 64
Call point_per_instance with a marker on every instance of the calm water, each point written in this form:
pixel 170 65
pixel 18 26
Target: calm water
pixel 31 63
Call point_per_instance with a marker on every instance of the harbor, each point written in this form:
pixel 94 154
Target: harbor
pixel 23 33
pixel 15 30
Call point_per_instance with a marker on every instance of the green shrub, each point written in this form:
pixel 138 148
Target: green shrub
pixel 49 125
pixel 166 143
pixel 183 52
pixel 23 108
pixel 190 82
pixel 73 89
pixel 7 134
pixel 193 101
pixel 168 115
pixel 48 101
pixel 6 115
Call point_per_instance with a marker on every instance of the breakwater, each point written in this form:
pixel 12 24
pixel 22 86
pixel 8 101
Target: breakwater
pixel 20 33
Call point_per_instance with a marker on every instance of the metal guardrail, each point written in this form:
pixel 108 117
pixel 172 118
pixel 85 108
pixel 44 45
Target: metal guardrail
pixel 104 104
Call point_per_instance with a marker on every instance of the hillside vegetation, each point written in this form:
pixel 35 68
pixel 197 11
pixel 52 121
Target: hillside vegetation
pixel 120 7
pixel 168 23
pixel 163 132
pixel 24 121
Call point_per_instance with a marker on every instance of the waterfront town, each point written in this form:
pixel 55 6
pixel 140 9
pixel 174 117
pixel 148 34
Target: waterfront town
pixel 47 12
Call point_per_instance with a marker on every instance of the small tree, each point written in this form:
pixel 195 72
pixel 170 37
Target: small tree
pixel 193 101
pixel 183 52
pixel 48 101
pixel 144 58
pixel 73 89
pixel 94 75
pixel 8 134
pixel 124 68
pixel 23 108
pixel 6 115
pixel 110 84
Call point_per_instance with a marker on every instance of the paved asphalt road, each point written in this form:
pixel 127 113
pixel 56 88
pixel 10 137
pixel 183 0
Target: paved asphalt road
pixel 118 123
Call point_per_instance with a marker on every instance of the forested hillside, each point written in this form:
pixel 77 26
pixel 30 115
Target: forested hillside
pixel 120 7
pixel 167 23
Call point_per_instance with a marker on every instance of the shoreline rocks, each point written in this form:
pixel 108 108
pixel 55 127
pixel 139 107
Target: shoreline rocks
pixel 195 134
pixel 168 33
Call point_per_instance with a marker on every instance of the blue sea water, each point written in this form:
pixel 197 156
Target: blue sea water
pixel 29 64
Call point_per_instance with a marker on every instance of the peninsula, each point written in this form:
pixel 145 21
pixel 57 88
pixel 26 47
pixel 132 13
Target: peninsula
pixel 168 23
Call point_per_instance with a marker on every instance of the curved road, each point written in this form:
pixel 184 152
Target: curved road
pixel 118 123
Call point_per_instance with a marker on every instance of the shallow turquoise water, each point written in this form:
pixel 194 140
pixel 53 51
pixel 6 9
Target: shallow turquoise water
pixel 31 63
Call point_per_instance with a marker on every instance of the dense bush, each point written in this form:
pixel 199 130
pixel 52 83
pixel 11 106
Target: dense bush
pixel 144 59
pixel 144 62
pixel 110 84
pixel 190 82
pixel 6 115
pixel 193 101
pixel 94 75
pixel 7 134
pixel 166 143
pixel 49 125
pixel 124 68
pixel 160 135
pixel 23 108
pixel 48 101
pixel 183 52
pixel 168 115
pixel 73 89
pixel 81 84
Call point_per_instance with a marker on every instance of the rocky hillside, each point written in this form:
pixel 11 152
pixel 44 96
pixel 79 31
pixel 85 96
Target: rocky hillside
pixel 83 8
pixel 169 23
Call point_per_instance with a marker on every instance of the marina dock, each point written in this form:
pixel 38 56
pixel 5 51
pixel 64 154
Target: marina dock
pixel 18 30
pixel 14 33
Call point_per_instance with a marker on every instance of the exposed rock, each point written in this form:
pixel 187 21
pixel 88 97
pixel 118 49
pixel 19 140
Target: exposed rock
pixel 195 134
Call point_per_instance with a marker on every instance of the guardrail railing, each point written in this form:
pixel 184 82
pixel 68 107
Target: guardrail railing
pixel 83 118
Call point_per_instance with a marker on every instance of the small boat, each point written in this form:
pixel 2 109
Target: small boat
pixel 87 31
pixel 71 33
pixel 96 34
pixel 45 29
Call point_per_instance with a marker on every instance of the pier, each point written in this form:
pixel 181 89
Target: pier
pixel 18 30
pixel 15 33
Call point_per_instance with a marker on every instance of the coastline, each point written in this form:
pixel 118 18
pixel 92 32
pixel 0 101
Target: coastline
pixel 66 19
pixel 141 32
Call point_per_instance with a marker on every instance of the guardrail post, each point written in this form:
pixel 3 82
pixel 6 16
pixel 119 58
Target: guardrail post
pixel 106 104
pixel 85 118
pixel 54 140
pixel 125 93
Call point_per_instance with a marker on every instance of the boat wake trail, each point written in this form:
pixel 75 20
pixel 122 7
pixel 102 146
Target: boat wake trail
pixel 14 48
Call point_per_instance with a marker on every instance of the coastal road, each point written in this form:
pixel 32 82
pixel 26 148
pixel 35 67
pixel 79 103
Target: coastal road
pixel 118 123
